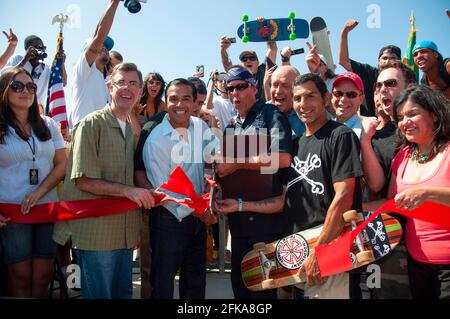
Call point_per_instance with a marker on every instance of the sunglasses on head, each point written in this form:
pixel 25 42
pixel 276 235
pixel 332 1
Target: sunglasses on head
pixel 391 83
pixel 249 58
pixel 239 87
pixel 18 87
pixel 349 94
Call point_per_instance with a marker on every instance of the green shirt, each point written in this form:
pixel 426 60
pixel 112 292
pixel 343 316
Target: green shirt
pixel 100 151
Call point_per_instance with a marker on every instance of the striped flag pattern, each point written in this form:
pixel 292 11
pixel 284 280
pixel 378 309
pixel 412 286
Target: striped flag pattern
pixel 56 103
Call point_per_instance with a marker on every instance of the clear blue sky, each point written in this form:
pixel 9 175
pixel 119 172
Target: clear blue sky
pixel 173 36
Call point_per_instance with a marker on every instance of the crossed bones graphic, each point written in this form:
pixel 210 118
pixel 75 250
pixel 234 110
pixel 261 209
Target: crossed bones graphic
pixel 378 232
pixel 386 249
pixel 303 168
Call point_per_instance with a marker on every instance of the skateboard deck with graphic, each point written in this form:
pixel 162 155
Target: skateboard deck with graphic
pixel 277 264
pixel 280 29
pixel 320 35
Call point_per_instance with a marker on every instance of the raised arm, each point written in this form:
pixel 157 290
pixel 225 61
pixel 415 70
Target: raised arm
pixel 224 45
pixel 272 50
pixel 344 59
pixel 12 43
pixel 102 30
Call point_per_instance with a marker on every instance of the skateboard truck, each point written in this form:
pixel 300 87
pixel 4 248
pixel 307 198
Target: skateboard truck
pixel 291 27
pixel 245 20
pixel 266 264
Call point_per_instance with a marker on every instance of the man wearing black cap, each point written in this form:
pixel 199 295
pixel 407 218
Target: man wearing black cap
pixel 89 90
pixel 33 62
pixel 367 73
pixel 436 70
pixel 254 177
pixel 249 60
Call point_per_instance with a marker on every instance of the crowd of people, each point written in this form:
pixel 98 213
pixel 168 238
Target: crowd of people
pixel 329 143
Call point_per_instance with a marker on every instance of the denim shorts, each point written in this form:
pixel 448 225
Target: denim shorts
pixel 23 242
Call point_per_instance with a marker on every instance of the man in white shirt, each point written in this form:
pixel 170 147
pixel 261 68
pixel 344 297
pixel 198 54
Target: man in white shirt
pixel 347 97
pixel 33 62
pixel 89 90
pixel 220 106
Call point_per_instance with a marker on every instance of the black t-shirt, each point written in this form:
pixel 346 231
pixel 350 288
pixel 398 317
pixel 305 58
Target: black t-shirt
pixel 369 76
pixel 259 77
pixel 384 143
pixel 328 156
pixel 252 185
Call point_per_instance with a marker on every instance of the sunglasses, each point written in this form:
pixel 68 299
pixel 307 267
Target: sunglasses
pixel 249 58
pixel 391 83
pixel 239 87
pixel 350 94
pixel 18 87
pixel 154 82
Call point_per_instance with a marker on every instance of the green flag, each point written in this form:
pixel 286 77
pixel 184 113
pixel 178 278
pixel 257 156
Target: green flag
pixel 408 59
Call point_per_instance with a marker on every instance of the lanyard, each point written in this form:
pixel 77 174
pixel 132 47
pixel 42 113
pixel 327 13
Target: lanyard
pixel 32 148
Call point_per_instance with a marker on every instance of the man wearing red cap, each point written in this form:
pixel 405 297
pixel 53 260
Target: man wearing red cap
pixel 347 96
pixel 89 90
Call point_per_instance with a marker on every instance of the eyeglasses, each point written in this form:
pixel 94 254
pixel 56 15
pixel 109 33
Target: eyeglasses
pixel 249 58
pixel 391 83
pixel 154 82
pixel 239 87
pixel 122 83
pixel 18 87
pixel 349 94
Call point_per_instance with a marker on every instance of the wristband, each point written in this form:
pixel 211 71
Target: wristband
pixel 240 204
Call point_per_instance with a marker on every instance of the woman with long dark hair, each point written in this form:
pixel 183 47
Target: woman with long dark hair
pixel 421 172
pixel 32 163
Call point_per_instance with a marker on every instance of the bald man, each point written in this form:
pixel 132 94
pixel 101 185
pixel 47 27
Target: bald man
pixel 281 95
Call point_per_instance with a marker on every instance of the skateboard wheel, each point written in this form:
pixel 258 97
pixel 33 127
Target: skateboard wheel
pixel 291 15
pixel 259 246
pixel 364 257
pixel 245 38
pixel 292 36
pixel 245 18
pixel 350 216
pixel 267 284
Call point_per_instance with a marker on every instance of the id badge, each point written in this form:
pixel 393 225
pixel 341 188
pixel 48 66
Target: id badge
pixel 34 177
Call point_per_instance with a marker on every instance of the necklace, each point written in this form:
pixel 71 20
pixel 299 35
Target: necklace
pixel 416 156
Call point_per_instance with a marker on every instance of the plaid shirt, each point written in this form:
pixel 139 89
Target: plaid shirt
pixel 100 151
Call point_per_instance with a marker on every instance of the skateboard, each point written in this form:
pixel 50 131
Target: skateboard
pixel 263 30
pixel 320 35
pixel 277 264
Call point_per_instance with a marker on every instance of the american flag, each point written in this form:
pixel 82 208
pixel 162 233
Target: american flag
pixel 56 103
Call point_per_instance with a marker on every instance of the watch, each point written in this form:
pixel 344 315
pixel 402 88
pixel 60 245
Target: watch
pixel 240 204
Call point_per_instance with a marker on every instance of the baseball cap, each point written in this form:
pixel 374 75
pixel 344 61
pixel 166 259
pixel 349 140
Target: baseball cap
pixel 426 44
pixel 240 73
pixel 352 77
pixel 392 49
pixel 247 53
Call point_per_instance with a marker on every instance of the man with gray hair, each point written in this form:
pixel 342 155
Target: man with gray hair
pixel 100 165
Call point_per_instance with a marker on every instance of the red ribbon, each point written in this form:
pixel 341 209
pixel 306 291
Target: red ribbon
pixel 334 257
pixel 178 183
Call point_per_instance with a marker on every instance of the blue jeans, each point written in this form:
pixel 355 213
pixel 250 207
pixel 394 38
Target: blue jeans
pixel 106 274
pixel 177 245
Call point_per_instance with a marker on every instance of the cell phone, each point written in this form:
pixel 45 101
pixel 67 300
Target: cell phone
pixel 298 51
pixel 201 69
pixel 232 40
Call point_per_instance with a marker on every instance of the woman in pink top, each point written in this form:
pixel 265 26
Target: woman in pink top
pixel 421 172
